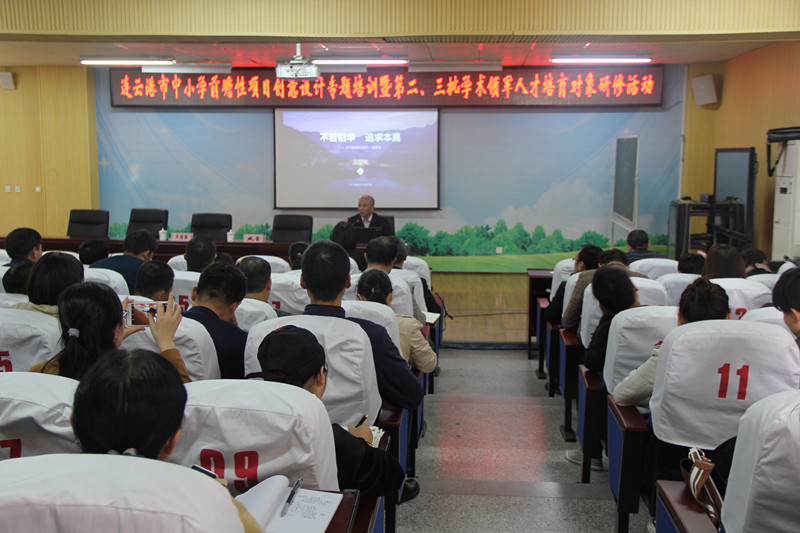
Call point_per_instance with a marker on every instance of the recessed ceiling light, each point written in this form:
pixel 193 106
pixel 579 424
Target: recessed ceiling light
pixel 375 61
pixel 599 60
pixel 126 61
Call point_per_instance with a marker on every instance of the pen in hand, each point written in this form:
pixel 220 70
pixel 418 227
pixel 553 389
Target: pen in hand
pixel 291 495
pixel 363 419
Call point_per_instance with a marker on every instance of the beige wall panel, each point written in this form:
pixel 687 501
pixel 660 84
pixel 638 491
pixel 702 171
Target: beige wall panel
pixel 69 144
pixel 487 307
pixel 350 18
pixel 20 152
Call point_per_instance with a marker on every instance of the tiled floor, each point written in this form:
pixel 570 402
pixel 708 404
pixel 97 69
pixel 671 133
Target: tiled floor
pixel 493 459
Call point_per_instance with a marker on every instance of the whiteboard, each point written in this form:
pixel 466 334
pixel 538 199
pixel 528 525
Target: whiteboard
pixel 626 183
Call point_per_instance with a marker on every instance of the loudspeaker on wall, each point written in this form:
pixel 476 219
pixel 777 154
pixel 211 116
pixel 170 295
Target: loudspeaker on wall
pixel 705 89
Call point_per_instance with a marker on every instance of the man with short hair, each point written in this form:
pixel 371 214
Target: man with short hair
pixel 691 264
pixel 293 355
pixel 381 254
pixel 92 250
pixel 639 246
pixel 23 245
pixel 154 281
pixel 15 280
pixel 220 290
pixel 368 218
pixel 786 297
pixel 137 249
pixel 325 276
pixel 255 307
pixel 200 252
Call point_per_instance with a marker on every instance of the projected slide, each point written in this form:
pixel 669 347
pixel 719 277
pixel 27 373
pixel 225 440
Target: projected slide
pixel 329 158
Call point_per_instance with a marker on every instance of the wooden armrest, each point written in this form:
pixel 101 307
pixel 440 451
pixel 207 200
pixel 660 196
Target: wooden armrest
pixel 390 416
pixel 628 417
pixel 569 338
pixel 543 303
pixel 591 381
pixel 682 508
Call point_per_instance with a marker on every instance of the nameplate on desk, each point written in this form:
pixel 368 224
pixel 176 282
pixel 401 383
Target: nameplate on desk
pixel 181 237
pixel 254 237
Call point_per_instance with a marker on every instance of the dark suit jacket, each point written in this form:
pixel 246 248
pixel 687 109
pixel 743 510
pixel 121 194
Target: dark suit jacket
pixel 377 222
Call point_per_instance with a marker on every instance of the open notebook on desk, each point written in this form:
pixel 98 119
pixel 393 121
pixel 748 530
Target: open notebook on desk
pixel 311 510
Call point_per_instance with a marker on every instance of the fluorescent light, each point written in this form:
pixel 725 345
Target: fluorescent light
pixel 119 61
pixel 455 66
pixel 598 60
pixel 362 61
pixel 188 68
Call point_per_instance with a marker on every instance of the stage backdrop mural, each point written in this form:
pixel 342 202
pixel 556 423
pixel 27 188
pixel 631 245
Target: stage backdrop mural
pixel 518 188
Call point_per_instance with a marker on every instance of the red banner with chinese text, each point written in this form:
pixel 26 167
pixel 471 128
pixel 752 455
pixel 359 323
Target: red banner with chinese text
pixel 536 86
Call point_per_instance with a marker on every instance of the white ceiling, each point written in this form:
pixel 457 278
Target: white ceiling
pixel 253 54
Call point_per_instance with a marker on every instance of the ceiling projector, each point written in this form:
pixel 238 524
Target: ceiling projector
pixel 297 68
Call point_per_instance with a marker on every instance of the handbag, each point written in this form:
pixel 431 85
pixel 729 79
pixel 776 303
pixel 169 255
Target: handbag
pixel 696 470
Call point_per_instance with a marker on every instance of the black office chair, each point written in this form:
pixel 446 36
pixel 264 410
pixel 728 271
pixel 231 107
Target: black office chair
pixel 291 228
pixel 213 226
pixel 88 223
pixel 151 220
pixel 390 218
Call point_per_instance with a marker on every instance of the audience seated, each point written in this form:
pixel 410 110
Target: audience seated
pixel 295 255
pixel 786 297
pixel 639 246
pixel 132 403
pixel 15 279
pixel 292 355
pixel 219 292
pixel 91 324
pixel 755 262
pixel 691 264
pixel 23 245
pixel 225 258
pixel 419 286
pixel 255 307
pixel 49 276
pixel 724 261
pixel 702 300
pixel 93 250
pixel 375 286
pixel 381 254
pixel 200 252
pixel 585 260
pixel 137 249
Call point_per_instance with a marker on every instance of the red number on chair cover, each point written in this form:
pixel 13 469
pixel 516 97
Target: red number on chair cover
pixel 183 301
pixel 276 304
pixel 213 460
pixel 14 447
pixel 724 372
pixel 5 362
pixel 739 313
pixel 245 465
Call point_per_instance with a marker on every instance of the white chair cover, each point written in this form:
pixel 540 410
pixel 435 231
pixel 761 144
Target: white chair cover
pixel 287 295
pixel 34 414
pixel 561 272
pixel 277 265
pixel 112 278
pixel 4 257
pixel 675 284
pixel 768 280
pixel 251 311
pixel 631 338
pixel 650 291
pixel 182 287
pixel 655 267
pixel 417 265
pixel 68 493
pixel 7 300
pixel 26 338
pixel 744 294
pixel 762 488
pixel 354 266
pixel 401 294
pixel 3 270
pixel 375 312
pixel 709 372
pixel 192 340
pixel 247 431
pixel 177 262
pixel 415 284
pixel 569 288
pixel 352 384
pixel 788 265
pixel 769 314
pixel 351 292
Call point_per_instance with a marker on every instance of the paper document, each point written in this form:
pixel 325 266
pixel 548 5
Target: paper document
pixel 311 510
pixel 431 318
